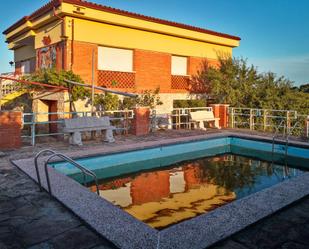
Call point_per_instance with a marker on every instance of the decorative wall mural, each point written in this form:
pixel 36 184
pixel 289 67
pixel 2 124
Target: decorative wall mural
pixel 47 57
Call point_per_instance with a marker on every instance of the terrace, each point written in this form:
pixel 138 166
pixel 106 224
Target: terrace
pixel 33 219
pixel 157 177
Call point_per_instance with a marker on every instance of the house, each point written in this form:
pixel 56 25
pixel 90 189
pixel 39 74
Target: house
pixel 114 48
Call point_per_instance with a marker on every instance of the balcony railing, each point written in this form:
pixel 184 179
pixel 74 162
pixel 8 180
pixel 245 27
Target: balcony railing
pixel 180 82
pixel 8 86
pixel 113 79
pixel 269 120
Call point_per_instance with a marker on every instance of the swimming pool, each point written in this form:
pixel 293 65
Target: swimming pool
pixel 164 155
pixel 141 159
pixel 186 190
pixel 166 185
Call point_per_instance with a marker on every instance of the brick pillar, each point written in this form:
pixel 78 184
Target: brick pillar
pixel 141 121
pixel 221 111
pixel 224 115
pixel 216 110
pixel 10 129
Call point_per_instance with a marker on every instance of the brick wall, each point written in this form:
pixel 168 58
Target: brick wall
pixel 10 129
pixel 141 121
pixel 194 64
pixel 221 111
pixel 153 69
pixel 82 60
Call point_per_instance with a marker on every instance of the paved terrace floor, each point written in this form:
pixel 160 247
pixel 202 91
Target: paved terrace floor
pixel 31 219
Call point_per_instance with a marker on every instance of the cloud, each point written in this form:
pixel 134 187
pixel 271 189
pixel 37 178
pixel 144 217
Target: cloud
pixel 295 68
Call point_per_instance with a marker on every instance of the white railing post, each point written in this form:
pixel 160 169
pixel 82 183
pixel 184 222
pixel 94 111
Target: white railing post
pixel 265 120
pixel 288 122
pixel 33 120
pixel 126 122
pixel 188 119
pixel 307 127
pixel 251 119
pixel 232 118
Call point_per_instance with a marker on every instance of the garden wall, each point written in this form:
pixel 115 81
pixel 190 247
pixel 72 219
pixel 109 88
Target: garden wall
pixel 10 129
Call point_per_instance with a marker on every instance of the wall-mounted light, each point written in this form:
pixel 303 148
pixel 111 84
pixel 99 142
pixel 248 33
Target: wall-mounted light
pixel 11 63
pixel 79 10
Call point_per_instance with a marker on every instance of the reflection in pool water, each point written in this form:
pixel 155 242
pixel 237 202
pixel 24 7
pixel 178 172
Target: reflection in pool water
pixel 162 197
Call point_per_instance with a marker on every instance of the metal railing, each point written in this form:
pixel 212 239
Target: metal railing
pixel 39 124
pixel 33 127
pixel 178 118
pixel 181 116
pixel 266 119
pixel 287 139
pixel 54 154
pixel 36 164
pixel 8 86
pixel 282 124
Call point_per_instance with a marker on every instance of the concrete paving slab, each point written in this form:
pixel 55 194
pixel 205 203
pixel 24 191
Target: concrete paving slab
pixel 200 232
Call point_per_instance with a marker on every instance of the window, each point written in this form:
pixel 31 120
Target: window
pixel 179 65
pixel 115 59
pixel 25 67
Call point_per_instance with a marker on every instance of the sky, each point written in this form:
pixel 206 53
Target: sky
pixel 274 33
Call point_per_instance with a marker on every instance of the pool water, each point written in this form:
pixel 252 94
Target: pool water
pixel 165 185
pixel 165 196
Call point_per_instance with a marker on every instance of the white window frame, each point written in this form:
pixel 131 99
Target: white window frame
pixel 179 65
pixel 115 59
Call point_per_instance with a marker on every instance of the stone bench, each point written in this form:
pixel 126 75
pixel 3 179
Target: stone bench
pixel 199 117
pixel 75 126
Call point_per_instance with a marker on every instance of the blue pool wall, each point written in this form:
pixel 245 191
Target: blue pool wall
pixel 184 151
pixel 113 164
pixel 267 147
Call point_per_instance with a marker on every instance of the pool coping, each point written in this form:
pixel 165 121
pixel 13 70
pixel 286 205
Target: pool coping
pixel 127 232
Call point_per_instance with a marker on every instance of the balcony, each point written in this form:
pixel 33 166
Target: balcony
pixel 114 79
pixel 180 82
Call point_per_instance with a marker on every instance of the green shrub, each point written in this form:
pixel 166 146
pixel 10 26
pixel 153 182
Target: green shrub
pixel 182 103
pixel 241 85
pixel 107 101
pixel 56 78
pixel 148 98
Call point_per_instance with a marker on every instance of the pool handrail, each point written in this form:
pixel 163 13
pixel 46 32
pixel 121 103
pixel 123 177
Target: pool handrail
pixel 287 138
pixel 84 170
pixel 36 164
pixel 275 135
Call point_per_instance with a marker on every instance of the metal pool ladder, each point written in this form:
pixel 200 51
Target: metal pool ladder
pixel 287 135
pixel 287 139
pixel 275 135
pixel 54 154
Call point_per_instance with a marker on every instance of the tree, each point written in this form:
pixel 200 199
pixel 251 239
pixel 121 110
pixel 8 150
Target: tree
pixel 54 77
pixel 148 98
pixel 106 102
pixel 304 88
pixel 241 85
